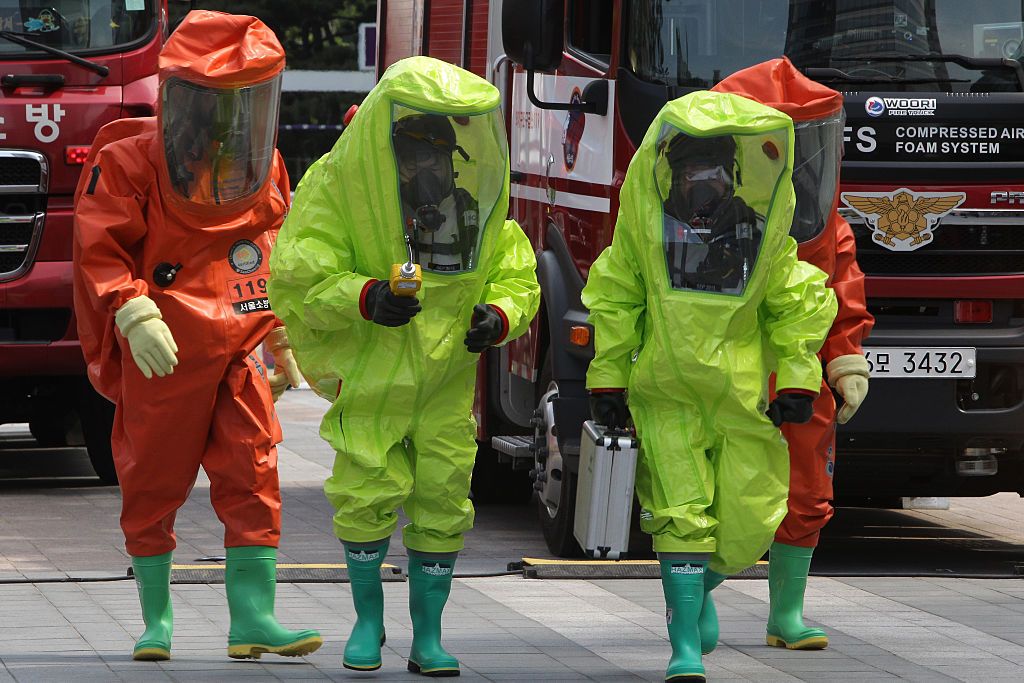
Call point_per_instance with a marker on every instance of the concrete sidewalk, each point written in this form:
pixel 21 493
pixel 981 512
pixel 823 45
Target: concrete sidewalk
pixel 56 521
pixel 502 628
pixel 510 628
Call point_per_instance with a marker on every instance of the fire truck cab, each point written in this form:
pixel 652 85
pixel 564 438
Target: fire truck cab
pixel 67 67
pixel 930 179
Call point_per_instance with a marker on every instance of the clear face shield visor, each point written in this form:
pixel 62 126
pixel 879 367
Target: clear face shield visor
pixel 450 170
pixel 817 157
pixel 218 143
pixel 713 222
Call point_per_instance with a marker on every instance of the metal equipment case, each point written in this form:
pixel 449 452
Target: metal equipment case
pixel 604 497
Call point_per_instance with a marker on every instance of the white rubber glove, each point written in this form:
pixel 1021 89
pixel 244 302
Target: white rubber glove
pixel 150 339
pixel 286 370
pixel 849 375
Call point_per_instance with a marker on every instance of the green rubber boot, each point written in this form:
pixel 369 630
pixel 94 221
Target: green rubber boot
pixel 430 582
pixel 362 650
pixel 707 624
pixel 250 580
pixel 153 578
pixel 787 580
pixel 683 583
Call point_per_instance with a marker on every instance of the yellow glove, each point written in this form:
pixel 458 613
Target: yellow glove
pixel 849 375
pixel 286 370
pixel 150 339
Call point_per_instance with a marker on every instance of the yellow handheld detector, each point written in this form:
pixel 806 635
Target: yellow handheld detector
pixel 406 278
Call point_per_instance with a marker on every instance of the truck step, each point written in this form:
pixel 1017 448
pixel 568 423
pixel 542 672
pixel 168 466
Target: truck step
pixel 513 448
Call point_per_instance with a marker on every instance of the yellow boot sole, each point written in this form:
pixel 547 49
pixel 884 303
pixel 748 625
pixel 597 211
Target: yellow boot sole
pixel 366 667
pixel 151 654
pixel 299 648
pixel 435 672
pixel 812 643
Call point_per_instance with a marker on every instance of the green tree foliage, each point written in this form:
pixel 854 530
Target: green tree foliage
pixel 316 34
pixel 300 148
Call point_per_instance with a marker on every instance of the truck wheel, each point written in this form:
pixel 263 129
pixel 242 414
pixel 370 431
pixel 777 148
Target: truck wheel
pixel 51 431
pixel 496 483
pixel 52 419
pixel 556 486
pixel 97 416
pixel 557 524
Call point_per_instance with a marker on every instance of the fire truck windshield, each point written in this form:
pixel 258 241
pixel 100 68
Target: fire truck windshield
pixel 88 26
pixel 905 44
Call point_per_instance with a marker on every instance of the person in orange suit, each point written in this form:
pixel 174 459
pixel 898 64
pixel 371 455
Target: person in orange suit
pixel 826 241
pixel 175 218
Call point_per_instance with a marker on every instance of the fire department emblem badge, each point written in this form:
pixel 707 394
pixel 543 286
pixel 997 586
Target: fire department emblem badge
pixel 245 257
pixel 903 220
pixel 572 133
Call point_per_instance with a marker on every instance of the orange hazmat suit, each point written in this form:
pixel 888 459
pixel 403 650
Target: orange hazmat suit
pixel 185 211
pixel 826 241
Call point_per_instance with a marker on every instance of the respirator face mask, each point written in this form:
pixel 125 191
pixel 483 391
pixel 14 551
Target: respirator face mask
pixel 427 179
pixel 697 192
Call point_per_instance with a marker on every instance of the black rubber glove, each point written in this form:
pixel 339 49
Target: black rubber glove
pixel 384 308
pixel 608 408
pixel 791 407
pixel 487 329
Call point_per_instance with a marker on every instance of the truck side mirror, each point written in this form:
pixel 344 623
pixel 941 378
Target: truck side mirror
pixel 177 10
pixel 533 34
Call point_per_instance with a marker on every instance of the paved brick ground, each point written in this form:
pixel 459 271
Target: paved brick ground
pixel 502 628
pixel 508 628
pixel 68 525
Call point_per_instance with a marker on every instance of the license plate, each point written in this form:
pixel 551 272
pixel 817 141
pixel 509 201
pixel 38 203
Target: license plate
pixel 922 362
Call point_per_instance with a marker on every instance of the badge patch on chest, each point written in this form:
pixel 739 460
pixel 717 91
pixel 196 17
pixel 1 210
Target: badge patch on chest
pixel 248 295
pixel 245 257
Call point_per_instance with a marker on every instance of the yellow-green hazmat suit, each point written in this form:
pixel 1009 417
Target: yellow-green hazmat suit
pixel 694 341
pixel 401 419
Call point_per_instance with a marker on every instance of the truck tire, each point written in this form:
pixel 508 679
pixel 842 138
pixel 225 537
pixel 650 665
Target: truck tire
pixel 51 431
pixel 557 522
pixel 97 416
pixel 52 417
pixel 557 525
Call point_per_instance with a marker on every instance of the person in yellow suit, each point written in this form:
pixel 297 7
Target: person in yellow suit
pixel 699 297
pixel 422 167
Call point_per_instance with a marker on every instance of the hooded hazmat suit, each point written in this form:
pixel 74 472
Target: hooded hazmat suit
pixel 129 220
pixel 175 218
pixel 420 175
pixel 825 240
pixel 401 419
pixel 694 336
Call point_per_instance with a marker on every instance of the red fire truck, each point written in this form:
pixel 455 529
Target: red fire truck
pixel 67 67
pixel 934 161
